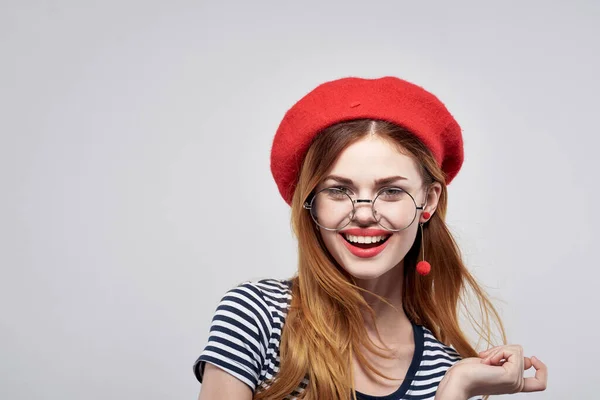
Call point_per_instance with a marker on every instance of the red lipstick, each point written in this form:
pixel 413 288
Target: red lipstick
pixel 363 252
pixel 366 232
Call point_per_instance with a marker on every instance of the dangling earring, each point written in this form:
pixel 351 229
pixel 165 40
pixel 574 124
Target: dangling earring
pixel 423 267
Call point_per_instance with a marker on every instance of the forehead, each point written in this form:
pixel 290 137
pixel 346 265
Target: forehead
pixel 373 158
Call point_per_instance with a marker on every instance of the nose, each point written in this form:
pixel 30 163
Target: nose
pixel 363 214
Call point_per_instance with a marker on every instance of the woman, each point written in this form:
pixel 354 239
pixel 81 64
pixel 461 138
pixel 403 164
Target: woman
pixel 372 312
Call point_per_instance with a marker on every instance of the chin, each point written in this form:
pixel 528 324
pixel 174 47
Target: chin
pixel 365 272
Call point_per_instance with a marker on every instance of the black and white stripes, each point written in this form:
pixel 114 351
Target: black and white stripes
pixel 245 336
pixel 245 331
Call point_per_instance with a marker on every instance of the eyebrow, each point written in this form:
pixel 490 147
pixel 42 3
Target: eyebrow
pixel 381 181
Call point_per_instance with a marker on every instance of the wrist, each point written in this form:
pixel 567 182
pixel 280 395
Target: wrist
pixel 452 388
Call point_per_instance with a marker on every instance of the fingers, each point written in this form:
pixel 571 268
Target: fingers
pixel 504 353
pixel 483 354
pixel 527 363
pixel 540 380
pixel 486 355
pixel 513 354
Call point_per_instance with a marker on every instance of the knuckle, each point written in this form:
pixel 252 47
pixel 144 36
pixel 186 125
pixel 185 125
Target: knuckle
pixel 518 348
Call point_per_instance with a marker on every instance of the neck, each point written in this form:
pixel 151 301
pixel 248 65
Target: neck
pixel 392 323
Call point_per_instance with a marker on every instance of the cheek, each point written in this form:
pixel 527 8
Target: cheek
pixel 331 241
pixel 335 247
pixel 402 243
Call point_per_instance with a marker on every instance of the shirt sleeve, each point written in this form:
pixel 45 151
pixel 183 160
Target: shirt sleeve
pixel 239 335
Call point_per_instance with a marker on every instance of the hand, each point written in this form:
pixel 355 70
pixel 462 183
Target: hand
pixel 498 371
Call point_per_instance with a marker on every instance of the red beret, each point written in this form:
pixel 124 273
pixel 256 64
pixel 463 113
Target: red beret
pixel 387 98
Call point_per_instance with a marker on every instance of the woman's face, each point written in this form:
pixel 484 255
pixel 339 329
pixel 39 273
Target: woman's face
pixel 357 170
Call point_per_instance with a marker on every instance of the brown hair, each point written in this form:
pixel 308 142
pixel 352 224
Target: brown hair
pixel 325 326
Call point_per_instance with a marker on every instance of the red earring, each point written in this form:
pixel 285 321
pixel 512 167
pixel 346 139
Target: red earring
pixel 426 215
pixel 423 267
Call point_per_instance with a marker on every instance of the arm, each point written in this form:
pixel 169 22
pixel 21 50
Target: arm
pixel 218 384
pixel 230 365
pixel 450 389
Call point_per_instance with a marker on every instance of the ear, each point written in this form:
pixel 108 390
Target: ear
pixel 432 197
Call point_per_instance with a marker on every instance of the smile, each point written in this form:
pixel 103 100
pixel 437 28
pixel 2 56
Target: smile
pixel 365 243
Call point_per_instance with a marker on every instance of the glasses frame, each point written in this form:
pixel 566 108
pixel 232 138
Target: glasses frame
pixel 308 206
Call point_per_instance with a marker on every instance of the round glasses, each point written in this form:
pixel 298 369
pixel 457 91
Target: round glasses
pixel 394 209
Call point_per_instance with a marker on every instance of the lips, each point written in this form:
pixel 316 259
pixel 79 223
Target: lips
pixel 365 250
pixel 365 232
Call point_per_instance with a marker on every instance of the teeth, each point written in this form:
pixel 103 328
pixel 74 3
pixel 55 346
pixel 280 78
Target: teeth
pixel 364 239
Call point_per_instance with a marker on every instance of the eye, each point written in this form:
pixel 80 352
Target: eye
pixel 338 192
pixel 392 193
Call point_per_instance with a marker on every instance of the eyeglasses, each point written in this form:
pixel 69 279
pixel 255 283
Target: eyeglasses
pixel 393 208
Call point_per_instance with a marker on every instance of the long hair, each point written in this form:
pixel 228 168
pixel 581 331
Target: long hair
pixel 325 326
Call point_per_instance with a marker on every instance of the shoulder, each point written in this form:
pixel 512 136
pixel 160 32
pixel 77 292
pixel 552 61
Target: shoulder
pixel 273 289
pixel 433 349
pixel 247 321
pixel 271 293
pixel 259 300
pixel 269 287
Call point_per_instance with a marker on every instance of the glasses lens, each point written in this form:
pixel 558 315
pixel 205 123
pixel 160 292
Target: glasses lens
pixel 332 208
pixel 394 209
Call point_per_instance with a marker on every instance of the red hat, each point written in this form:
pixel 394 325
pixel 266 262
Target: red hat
pixel 389 98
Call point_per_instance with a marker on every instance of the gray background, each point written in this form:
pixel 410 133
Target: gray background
pixel 136 189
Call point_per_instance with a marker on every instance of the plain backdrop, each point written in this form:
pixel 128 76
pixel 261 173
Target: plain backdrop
pixel 135 182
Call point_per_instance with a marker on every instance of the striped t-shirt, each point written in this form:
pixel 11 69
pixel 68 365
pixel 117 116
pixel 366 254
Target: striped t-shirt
pixel 246 330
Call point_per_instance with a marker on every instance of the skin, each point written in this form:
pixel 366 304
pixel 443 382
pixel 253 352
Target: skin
pixel 498 370
pixel 363 162
pixel 218 384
